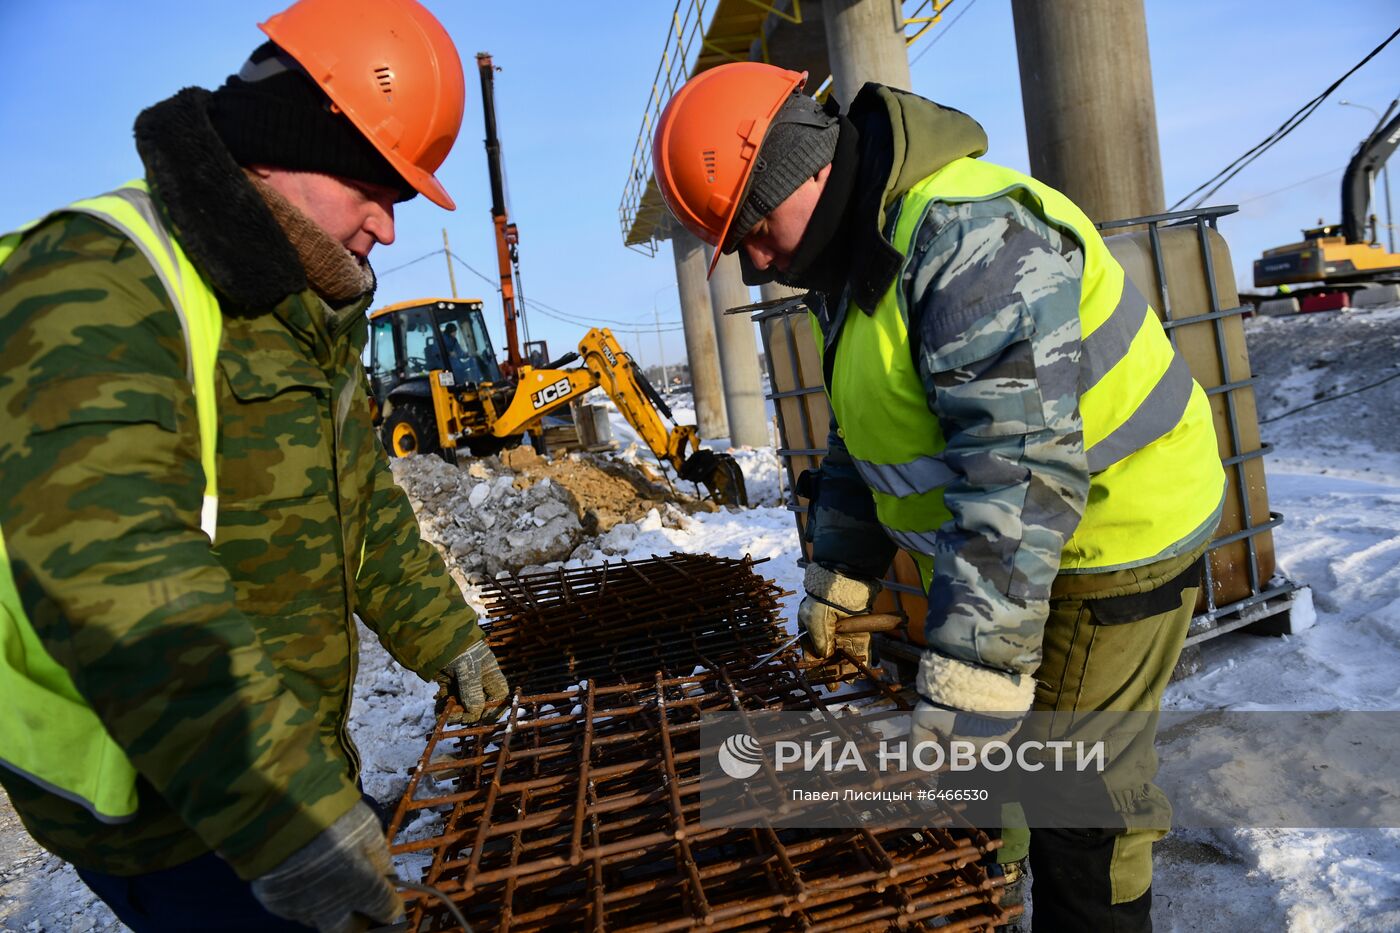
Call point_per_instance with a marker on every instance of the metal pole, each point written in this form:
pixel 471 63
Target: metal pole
pixel 447 251
pixel 660 350
pixel 1389 217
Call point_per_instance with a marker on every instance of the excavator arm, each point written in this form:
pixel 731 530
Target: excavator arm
pixel 606 365
pixel 1360 176
pixel 539 392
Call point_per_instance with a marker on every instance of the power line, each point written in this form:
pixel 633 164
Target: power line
pixel 595 320
pixel 477 272
pixel 1286 127
pixel 669 327
pixel 380 275
pixel 438 252
pixel 1296 184
pixel 1330 398
pixel 934 41
pixel 547 311
pixel 629 327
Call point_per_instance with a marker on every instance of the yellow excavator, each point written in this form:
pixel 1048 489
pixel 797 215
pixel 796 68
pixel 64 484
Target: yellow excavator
pixel 1346 255
pixel 438 388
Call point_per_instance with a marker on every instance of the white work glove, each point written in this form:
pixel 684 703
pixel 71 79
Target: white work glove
pixel 833 596
pixel 968 702
pixel 477 680
pixel 337 882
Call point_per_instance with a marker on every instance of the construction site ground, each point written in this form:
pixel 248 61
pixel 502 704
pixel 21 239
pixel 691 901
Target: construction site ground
pixel 1334 474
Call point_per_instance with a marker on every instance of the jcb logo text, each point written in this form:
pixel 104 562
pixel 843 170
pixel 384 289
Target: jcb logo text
pixel 551 393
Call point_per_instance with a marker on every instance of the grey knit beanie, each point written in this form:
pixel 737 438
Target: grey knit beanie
pixel 272 113
pixel 800 142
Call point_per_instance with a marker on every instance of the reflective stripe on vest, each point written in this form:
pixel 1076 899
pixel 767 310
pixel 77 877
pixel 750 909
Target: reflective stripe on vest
pixel 48 733
pixel 1155 473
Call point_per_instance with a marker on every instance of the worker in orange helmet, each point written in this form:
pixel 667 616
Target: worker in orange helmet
pixel 1006 408
pixel 197 507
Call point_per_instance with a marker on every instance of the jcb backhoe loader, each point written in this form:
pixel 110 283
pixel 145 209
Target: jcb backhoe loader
pixel 438 388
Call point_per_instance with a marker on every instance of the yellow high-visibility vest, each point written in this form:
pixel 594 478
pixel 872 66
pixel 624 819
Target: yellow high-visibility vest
pixel 49 734
pixel 1155 480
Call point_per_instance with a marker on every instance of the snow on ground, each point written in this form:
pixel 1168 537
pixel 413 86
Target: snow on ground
pixel 1335 476
pixel 1304 357
pixel 762 474
pixel 1339 537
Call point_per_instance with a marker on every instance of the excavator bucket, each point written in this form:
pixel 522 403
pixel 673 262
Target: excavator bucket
pixel 719 474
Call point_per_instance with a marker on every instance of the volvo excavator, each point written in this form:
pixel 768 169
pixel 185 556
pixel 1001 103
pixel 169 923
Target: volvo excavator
pixel 438 387
pixel 1345 255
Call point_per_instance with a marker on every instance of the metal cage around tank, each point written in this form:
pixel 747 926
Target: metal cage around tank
pixel 1182 263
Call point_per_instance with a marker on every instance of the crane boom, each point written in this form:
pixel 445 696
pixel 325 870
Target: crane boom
pixel 507 237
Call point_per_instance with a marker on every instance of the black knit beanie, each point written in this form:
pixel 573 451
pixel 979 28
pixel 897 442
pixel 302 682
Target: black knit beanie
pixel 272 113
pixel 800 142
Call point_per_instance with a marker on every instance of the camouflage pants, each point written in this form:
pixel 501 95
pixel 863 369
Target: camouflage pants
pixel 1111 643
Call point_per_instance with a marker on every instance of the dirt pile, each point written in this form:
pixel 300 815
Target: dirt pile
pixel 606 491
pixel 520 511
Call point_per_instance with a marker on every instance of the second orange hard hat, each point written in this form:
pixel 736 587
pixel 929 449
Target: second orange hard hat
pixel 707 141
pixel 391 68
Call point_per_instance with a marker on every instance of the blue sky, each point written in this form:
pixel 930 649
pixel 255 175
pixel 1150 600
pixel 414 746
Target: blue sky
pixel 570 97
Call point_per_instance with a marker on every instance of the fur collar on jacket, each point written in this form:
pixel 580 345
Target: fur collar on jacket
pixel 223 223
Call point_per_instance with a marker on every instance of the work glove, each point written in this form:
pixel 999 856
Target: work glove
pixel 968 702
pixel 476 680
pixel 337 882
pixel 832 596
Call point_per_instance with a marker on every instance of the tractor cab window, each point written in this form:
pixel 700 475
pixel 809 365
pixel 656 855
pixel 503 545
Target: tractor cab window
pixel 443 335
pixel 467 345
pixel 380 348
pixel 380 364
pixel 420 344
pixel 481 348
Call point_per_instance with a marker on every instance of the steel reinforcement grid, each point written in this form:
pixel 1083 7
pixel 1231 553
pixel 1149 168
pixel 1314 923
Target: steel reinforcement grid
pixel 580 810
pixel 627 620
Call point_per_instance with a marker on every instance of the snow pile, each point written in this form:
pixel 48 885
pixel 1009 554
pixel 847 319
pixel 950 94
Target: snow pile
pixel 391 716
pixel 1305 358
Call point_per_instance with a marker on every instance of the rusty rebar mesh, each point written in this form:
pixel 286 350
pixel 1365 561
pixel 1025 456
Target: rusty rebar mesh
pixel 625 621
pixel 580 810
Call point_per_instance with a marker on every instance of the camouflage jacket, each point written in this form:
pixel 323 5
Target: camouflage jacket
pixel 225 672
pixel 1034 482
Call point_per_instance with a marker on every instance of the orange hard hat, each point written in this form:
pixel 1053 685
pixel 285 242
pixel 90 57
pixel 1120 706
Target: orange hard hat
pixel 707 141
pixel 391 68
